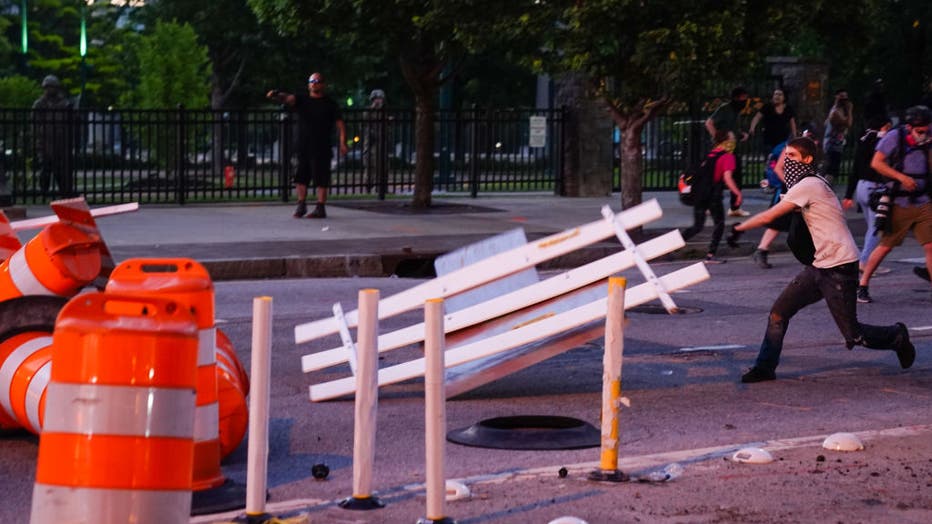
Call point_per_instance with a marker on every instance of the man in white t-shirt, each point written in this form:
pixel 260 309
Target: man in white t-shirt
pixel 833 273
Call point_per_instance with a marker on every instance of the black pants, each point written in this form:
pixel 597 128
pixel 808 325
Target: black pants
pixel 717 211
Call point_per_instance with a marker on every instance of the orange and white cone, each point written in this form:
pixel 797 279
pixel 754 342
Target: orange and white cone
pixel 76 211
pixel 59 261
pixel 118 438
pixel 26 325
pixel 188 283
pixel 9 242
pixel 232 389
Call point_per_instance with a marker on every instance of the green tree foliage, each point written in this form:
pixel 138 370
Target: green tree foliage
pixel 639 57
pixel 54 28
pixel 173 69
pixel 18 91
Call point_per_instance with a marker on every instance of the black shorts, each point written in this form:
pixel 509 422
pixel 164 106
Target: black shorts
pixel 314 169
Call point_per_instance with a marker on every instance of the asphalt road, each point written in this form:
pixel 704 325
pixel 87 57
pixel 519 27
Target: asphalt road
pixel 681 374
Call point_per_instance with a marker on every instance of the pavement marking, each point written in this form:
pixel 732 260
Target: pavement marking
pixel 921 328
pixel 712 348
pixel 628 464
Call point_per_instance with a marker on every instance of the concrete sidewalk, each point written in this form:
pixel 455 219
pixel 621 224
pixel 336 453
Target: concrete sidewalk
pixel 380 238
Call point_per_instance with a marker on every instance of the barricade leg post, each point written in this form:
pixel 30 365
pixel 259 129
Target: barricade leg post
pixel 435 418
pixel 366 405
pixel 611 382
pixel 257 473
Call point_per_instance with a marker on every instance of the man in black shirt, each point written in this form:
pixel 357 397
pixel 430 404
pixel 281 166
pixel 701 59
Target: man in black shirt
pixel 318 115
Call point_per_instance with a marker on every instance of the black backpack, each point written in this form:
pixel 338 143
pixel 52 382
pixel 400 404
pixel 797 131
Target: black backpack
pixel 696 183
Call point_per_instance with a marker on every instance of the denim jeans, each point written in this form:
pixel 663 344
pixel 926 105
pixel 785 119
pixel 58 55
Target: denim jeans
pixel 838 286
pixel 871 235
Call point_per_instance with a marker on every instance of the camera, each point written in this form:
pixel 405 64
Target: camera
pixel 882 212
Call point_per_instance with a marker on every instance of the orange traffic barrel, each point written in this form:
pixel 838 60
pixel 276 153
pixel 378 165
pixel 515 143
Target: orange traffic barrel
pixel 9 242
pixel 188 283
pixel 26 325
pixel 232 389
pixel 59 261
pixel 118 438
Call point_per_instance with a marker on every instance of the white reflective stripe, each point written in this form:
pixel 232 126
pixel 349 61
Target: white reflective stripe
pixel 23 277
pixel 56 504
pixel 34 394
pixel 206 344
pixel 207 422
pixel 12 363
pixel 89 409
pixel 224 366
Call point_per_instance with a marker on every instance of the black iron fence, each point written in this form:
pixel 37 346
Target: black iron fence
pixel 179 156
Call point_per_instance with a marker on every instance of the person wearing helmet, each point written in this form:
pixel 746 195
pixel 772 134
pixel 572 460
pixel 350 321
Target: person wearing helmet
pixel 373 138
pixel 903 157
pixel 53 135
pixel 318 116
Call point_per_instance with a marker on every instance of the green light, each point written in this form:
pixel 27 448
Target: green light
pixel 24 38
pixel 83 34
pixel 349 101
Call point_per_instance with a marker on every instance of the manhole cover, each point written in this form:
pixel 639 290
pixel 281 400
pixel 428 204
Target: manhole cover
pixel 535 432
pixel 652 309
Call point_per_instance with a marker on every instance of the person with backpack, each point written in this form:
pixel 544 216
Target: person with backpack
pixel 904 156
pixel 710 178
pixel 832 269
pixel 864 183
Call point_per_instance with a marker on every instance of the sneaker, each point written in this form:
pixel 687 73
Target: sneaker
pixel 319 212
pixel 301 210
pixel 756 374
pixel 882 271
pixel 921 272
pixel 712 259
pixel 760 258
pixel 905 351
pixel 738 213
pixel 863 296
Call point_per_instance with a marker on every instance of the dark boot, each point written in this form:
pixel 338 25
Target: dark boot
pixel 895 337
pixel 760 258
pixel 301 210
pixel 319 212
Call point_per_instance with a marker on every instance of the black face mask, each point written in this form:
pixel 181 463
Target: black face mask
pixel 794 171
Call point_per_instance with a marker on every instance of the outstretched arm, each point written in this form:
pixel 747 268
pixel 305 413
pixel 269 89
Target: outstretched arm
pixel 765 217
pixel 281 97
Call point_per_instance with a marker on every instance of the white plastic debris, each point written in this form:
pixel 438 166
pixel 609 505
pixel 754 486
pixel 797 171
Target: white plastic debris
pixel 456 491
pixel 666 474
pixel 325 228
pixel 752 456
pixel 567 520
pixel 843 442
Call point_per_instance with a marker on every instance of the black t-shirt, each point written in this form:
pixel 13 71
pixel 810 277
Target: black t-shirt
pixel 776 125
pixel 317 119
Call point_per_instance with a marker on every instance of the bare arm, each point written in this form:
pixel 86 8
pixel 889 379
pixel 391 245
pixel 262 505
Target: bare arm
pixel 880 165
pixel 765 217
pixel 735 190
pixel 281 97
pixel 341 129
pixel 793 127
pixel 755 121
pixel 710 127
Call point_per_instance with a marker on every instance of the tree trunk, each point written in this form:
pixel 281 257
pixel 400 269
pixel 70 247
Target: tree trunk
pixel 424 157
pixel 631 167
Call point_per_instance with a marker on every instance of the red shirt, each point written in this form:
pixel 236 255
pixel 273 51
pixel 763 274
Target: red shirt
pixel 725 162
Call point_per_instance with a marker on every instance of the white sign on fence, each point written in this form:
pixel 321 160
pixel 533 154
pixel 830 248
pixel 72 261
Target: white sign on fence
pixel 538 134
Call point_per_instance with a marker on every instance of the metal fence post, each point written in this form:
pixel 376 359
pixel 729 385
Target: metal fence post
pixel 284 154
pixel 474 153
pixel 180 182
